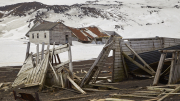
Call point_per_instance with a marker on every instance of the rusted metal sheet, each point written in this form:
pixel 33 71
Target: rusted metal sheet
pixel 87 34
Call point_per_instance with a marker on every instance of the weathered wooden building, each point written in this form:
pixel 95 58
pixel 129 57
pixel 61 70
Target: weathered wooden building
pixel 50 32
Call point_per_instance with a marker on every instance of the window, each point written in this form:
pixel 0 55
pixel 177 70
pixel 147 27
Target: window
pixel 66 38
pixel 33 35
pixel 44 35
pixel 37 35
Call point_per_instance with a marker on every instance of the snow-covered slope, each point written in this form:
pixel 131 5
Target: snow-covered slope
pixel 49 2
pixel 130 18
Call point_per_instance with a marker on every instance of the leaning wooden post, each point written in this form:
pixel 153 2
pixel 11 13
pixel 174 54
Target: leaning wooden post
pixel 37 55
pixel 27 50
pixel 70 61
pixel 159 69
pixel 52 53
pixel 171 73
pixel 42 52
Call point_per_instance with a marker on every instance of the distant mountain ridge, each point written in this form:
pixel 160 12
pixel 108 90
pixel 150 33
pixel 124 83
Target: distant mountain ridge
pixel 20 9
pixel 131 18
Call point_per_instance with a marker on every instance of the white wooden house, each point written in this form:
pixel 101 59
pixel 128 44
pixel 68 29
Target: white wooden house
pixel 49 33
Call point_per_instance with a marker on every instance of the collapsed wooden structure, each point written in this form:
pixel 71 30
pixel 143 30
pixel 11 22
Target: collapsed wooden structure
pixel 45 68
pixel 173 70
pixel 130 55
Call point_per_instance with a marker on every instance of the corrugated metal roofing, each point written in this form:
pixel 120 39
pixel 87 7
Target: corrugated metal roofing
pixel 97 31
pixel 45 26
pixel 149 57
pixel 79 34
pixel 88 33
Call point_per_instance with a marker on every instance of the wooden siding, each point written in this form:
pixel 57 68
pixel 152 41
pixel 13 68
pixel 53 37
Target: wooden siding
pixel 58 34
pixel 41 38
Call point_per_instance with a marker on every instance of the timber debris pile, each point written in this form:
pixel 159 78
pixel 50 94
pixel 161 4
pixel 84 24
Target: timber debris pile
pixel 155 58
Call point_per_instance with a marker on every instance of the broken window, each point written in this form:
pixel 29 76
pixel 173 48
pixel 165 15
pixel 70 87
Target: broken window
pixel 44 35
pixel 33 35
pixel 66 38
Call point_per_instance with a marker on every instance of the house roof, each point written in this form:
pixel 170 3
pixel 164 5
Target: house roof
pixel 113 33
pixel 88 33
pixel 45 26
pixel 79 34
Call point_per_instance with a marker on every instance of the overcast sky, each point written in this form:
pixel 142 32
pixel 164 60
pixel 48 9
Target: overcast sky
pixel 50 2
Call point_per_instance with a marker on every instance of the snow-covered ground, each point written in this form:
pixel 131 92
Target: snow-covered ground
pixel 12 51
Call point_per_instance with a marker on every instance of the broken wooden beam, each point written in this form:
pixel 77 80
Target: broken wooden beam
pixel 170 93
pixel 141 59
pixel 75 85
pixel 138 64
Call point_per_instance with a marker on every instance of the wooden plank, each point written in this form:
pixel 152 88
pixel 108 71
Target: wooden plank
pixel 116 99
pixel 62 82
pixel 70 60
pixel 32 59
pixel 75 85
pixel 170 93
pixel 73 74
pixel 61 51
pixel 103 54
pixel 1 84
pixel 57 55
pixel 54 72
pixel 159 89
pixel 169 51
pixel 130 95
pixel 55 59
pixel 37 56
pixel 52 53
pixel 166 71
pixel 140 59
pixel 71 98
pixel 27 50
pixel 96 76
pixel 62 64
pixel 45 69
pixel 139 65
pixel 42 52
pixel 172 68
pixel 159 69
